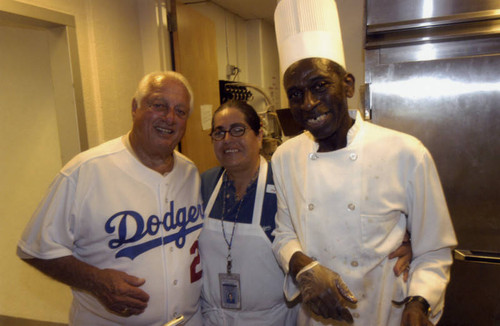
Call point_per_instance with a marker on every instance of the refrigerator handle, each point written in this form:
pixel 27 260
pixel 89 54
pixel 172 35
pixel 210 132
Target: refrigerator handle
pixel 477 256
pixel 366 101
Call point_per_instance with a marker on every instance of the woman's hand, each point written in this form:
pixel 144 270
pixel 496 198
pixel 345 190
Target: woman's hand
pixel 404 255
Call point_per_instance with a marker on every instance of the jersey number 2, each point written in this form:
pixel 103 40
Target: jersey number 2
pixel 195 275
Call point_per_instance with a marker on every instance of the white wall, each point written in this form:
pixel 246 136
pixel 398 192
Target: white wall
pixel 248 44
pixel 271 64
pixel 351 14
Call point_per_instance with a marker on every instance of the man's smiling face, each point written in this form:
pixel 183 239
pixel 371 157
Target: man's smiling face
pixel 159 131
pixel 317 93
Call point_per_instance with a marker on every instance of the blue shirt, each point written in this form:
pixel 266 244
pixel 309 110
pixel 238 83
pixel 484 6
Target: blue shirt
pixel 231 205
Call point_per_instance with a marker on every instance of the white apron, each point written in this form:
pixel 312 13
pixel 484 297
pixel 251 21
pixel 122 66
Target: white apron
pixel 261 278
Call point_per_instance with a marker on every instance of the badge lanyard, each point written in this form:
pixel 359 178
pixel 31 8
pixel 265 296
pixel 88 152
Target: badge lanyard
pixel 230 289
pixel 230 241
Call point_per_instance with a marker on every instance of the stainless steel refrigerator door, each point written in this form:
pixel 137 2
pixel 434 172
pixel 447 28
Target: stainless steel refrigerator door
pixel 390 12
pixel 453 107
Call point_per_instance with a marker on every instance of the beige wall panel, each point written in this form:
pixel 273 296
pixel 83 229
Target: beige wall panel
pixel 31 157
pixel 117 46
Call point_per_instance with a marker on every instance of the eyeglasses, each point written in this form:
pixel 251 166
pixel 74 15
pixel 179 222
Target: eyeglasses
pixel 180 111
pixel 235 131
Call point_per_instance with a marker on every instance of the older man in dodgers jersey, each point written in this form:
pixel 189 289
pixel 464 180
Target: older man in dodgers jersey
pixel 120 222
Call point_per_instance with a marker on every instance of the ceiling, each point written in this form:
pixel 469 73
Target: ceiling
pixel 247 9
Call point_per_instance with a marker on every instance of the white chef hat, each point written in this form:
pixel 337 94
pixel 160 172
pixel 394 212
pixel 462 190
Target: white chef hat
pixel 308 29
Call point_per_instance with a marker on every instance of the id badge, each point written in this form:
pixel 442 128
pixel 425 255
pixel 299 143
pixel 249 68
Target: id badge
pixel 230 293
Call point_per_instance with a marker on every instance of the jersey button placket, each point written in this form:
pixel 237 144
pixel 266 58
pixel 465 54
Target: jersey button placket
pixel 167 254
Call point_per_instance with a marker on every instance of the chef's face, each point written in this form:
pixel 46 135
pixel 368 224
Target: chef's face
pixel 317 91
pixel 236 153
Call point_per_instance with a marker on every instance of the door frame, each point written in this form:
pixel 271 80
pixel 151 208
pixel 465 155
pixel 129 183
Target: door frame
pixel 65 69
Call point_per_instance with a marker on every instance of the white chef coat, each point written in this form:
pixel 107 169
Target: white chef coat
pixel 351 207
pixel 260 275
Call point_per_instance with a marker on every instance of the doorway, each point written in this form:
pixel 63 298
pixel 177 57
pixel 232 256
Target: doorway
pixel 41 128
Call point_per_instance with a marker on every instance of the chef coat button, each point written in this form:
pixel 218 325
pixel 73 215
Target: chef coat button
pixel 351 207
pixel 175 282
pixel 311 207
pixel 354 263
pixel 353 156
pixel 313 156
pixel 355 315
pixel 171 249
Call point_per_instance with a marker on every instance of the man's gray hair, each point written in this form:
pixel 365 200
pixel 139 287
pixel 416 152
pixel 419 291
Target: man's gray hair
pixel 158 77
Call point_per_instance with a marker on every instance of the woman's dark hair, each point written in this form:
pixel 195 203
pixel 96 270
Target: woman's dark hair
pixel 251 116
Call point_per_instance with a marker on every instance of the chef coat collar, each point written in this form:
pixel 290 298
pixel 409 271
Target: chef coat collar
pixel 353 131
pixel 351 134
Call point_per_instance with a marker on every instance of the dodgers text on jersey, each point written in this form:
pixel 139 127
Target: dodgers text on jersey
pixel 130 227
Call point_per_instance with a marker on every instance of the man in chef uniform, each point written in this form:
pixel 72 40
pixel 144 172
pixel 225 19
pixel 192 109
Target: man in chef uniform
pixel 348 191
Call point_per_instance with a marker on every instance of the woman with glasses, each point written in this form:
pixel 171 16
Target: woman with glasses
pixel 242 282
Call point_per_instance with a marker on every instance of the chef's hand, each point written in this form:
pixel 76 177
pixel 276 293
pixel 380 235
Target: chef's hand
pixel 324 292
pixel 404 255
pixel 414 314
pixel 120 292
